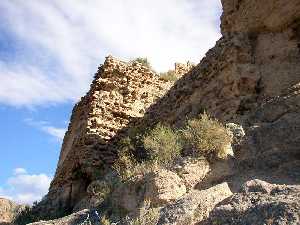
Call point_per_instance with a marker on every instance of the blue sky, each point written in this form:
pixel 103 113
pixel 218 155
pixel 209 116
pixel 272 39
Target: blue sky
pixel 49 52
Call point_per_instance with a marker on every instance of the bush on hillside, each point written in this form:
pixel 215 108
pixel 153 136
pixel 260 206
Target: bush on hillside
pixel 162 144
pixel 27 215
pixel 169 76
pixel 125 164
pixel 144 61
pixel 207 137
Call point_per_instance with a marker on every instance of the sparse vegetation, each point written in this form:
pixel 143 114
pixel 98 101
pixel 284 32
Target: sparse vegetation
pixel 202 136
pixel 101 189
pixel 169 76
pixel 144 61
pixel 125 164
pixel 105 220
pixel 162 144
pixel 27 215
pixel 148 215
pixel 207 137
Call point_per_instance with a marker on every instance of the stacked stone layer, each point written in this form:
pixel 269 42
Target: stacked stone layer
pixel 120 94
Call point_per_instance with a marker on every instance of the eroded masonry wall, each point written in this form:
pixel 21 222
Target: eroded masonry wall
pixel 120 94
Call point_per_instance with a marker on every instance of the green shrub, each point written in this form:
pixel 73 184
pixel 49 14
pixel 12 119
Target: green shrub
pixel 162 144
pixel 207 137
pixel 131 153
pixel 143 61
pixel 100 188
pixel 169 76
pixel 125 164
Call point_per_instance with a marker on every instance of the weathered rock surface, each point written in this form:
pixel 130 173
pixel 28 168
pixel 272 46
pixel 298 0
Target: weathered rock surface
pixel 192 171
pixel 8 210
pixel 195 206
pixel 158 187
pixel 163 187
pixel 259 203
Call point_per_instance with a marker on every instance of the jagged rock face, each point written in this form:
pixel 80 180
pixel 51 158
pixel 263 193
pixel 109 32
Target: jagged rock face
pixel 8 210
pixel 119 94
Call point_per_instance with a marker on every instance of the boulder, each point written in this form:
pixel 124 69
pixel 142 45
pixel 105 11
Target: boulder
pixel 192 171
pixel 194 206
pixel 259 203
pixel 163 186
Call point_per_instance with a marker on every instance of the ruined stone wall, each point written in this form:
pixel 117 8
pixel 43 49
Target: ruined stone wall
pixel 183 68
pixel 120 93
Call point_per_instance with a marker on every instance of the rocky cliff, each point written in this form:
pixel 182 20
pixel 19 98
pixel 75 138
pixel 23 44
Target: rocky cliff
pixel 251 78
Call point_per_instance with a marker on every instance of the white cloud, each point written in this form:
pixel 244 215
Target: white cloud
pixel 66 40
pixel 24 187
pixel 19 170
pixel 57 133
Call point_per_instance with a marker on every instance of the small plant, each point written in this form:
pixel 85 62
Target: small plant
pixel 162 144
pixel 169 76
pixel 207 137
pixel 143 61
pixel 105 221
pixel 101 189
pixel 125 164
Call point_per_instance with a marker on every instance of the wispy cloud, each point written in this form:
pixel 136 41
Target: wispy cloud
pixel 19 171
pixel 57 133
pixel 62 42
pixel 23 187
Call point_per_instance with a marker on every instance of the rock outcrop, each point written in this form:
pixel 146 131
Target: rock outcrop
pixel 8 211
pixel 250 78
pixel 259 203
pixel 194 206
